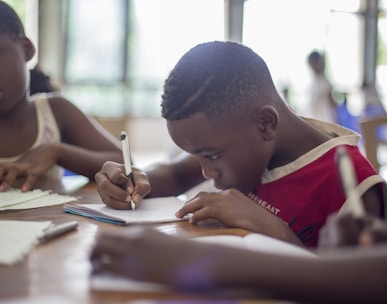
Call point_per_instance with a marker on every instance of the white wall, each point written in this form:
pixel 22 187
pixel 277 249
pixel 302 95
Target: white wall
pixel 149 139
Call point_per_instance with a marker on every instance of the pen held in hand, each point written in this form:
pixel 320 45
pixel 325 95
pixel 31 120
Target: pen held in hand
pixel 349 182
pixel 127 161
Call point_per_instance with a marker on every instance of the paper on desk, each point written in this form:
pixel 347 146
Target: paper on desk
pixel 117 283
pixel 15 199
pixel 257 242
pixel 17 238
pixel 150 210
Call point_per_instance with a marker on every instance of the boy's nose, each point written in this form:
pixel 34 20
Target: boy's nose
pixel 209 172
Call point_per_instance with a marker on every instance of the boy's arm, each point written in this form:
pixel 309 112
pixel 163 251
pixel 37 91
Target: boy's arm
pixel 235 209
pixel 155 181
pixel 174 178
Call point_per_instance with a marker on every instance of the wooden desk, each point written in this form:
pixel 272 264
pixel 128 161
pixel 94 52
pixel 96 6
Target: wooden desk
pixel 60 268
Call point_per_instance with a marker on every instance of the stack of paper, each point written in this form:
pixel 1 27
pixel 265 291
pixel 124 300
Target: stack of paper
pixel 14 199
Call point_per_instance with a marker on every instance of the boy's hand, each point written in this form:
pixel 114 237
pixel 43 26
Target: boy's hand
pixel 116 189
pixel 234 209
pixel 346 230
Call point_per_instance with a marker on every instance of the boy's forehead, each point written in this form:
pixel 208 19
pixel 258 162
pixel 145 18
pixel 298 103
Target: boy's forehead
pixel 191 124
pixel 195 133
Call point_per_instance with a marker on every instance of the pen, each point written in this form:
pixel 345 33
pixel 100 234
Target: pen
pixel 127 161
pixel 58 230
pixel 349 182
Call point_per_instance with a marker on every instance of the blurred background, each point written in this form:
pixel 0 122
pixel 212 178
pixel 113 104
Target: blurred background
pixel 110 57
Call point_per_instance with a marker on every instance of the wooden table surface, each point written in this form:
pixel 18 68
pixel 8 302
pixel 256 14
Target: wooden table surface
pixel 58 271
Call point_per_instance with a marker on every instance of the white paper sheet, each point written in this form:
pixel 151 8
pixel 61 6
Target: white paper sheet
pixel 17 238
pixel 15 199
pixel 257 242
pixel 151 210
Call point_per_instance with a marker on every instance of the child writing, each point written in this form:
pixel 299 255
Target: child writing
pixel 275 170
pixel 40 134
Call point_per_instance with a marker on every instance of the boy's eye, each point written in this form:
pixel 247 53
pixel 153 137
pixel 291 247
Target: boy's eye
pixel 213 156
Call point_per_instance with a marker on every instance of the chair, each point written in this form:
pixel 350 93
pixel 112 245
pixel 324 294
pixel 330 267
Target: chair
pixel 374 132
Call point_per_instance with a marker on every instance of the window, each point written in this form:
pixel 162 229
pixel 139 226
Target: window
pixel 381 62
pixel 284 32
pixel 121 54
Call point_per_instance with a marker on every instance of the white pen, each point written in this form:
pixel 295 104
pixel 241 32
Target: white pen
pixel 127 161
pixel 58 230
pixel 349 181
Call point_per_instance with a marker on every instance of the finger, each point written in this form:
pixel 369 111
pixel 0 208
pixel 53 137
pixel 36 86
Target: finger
pixel 189 207
pixel 111 194
pixel 115 173
pixel 30 181
pixel 110 262
pixel 9 179
pixel 142 187
pixel 376 230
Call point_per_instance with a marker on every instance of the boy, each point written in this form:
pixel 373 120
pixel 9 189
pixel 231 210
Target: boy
pixel 40 133
pixel 276 170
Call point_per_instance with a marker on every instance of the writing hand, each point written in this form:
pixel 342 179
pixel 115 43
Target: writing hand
pixel 116 189
pixel 344 230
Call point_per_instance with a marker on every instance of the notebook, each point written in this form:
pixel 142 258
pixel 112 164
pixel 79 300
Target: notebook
pixel 15 199
pixel 150 210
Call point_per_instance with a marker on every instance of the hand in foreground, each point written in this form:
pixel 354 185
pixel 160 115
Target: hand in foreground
pixel 234 209
pixel 116 189
pixel 131 253
pixel 345 230
pixel 31 166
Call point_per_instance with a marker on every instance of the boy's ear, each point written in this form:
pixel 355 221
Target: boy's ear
pixel 29 48
pixel 266 119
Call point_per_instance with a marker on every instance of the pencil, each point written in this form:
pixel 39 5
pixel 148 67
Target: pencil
pixel 349 181
pixel 127 162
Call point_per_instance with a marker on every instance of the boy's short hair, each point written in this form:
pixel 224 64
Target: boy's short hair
pixel 221 79
pixel 10 23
